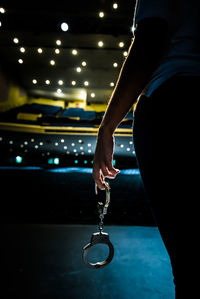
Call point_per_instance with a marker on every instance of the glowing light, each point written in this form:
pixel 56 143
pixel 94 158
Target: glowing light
pixel 20 61
pixel 2 10
pixel 73 82
pixel 115 6
pixel 101 14
pixel 78 69
pixel 58 42
pixel 74 52
pixel 47 82
pixel 83 63
pixel 57 51
pixel 18 159
pixel 16 40
pixel 34 81
pixel 121 44
pixel 59 90
pixel 64 26
pixel 125 53
pixel 100 44
pixel 52 62
pixel 115 64
pixel 60 82
pixel 22 50
pixel 56 161
pixel 40 50
pixel 112 84
pixel 92 95
pixel 83 95
pixel 86 83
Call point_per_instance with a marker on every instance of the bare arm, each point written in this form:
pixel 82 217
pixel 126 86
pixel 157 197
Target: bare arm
pixel 144 55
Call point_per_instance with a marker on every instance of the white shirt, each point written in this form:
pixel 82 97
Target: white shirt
pixel 183 55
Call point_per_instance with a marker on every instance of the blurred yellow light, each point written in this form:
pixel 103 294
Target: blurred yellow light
pixel 57 51
pixel 101 14
pixel 34 81
pixel 58 42
pixel 125 53
pixel 16 40
pixel 100 44
pixel 92 95
pixel 2 10
pixel 64 26
pixel 86 83
pixel 59 90
pixel 20 61
pixel 74 52
pixel 84 63
pixel 115 64
pixel 78 69
pixel 60 82
pixel 73 82
pixel 52 62
pixel 39 50
pixel 47 82
pixel 121 44
pixel 112 84
pixel 115 5
pixel 22 50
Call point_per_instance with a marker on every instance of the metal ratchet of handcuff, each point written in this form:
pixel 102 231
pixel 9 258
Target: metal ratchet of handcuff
pixel 100 237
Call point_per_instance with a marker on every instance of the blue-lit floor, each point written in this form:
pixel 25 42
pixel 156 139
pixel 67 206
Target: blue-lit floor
pixel 45 261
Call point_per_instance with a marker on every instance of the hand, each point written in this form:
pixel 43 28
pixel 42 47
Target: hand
pixel 103 159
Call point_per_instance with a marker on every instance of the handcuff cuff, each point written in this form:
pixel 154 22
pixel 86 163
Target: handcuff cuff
pixel 100 237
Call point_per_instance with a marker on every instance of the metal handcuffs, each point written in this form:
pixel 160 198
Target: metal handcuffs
pixel 100 237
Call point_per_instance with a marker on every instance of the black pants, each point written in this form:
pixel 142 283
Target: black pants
pixel 166 139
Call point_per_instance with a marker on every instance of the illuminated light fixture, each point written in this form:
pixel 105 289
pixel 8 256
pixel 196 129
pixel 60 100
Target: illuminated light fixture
pixel 32 140
pixel 18 159
pixel 85 162
pixel 62 140
pixel 52 62
pixel 56 161
pixel 89 144
pixel 22 49
pixel 16 40
pixel 47 82
pixel 112 84
pixel 59 90
pixel 101 14
pixel 60 82
pixel 80 141
pixel 2 10
pixel 92 95
pixel 73 83
pixel 128 149
pixel 115 6
pixel 74 150
pixel 58 42
pixel 36 146
pixel 65 147
pixel 100 44
pixel 40 50
pixel 64 26
pixel 20 61
pixel 74 52
pixel 73 144
pixel 89 151
pixel 115 64
pixel 78 69
pixel 83 95
pixel 82 153
pixel 57 51
pixel 121 44
pixel 83 63
pixel 86 83
pixel 121 145
pixel 125 53
pixel 41 143
pixel 76 162
pixel 34 81
pixel 130 142
pixel 56 143
pixel 81 148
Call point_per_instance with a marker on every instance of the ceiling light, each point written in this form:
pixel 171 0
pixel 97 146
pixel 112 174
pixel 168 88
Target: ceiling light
pixel 121 44
pixel 60 82
pixel 101 14
pixel 125 53
pixel 74 52
pixel 16 40
pixel 112 84
pixel 20 61
pixel 100 44
pixel 52 62
pixel 2 10
pixel 22 50
pixel 84 63
pixel 78 69
pixel 92 95
pixel 115 5
pixel 57 51
pixel 59 90
pixel 39 50
pixel 58 42
pixel 47 82
pixel 73 82
pixel 64 26
pixel 34 81
pixel 86 83
pixel 115 64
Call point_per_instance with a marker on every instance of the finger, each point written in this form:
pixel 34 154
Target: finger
pixel 106 172
pixel 112 170
pixel 98 178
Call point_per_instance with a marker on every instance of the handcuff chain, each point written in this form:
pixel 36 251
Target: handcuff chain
pixel 103 209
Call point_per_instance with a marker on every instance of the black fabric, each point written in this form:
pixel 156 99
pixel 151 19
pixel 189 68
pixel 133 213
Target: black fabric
pixel 166 140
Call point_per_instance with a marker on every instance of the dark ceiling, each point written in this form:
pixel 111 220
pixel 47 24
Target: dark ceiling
pixel 37 25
